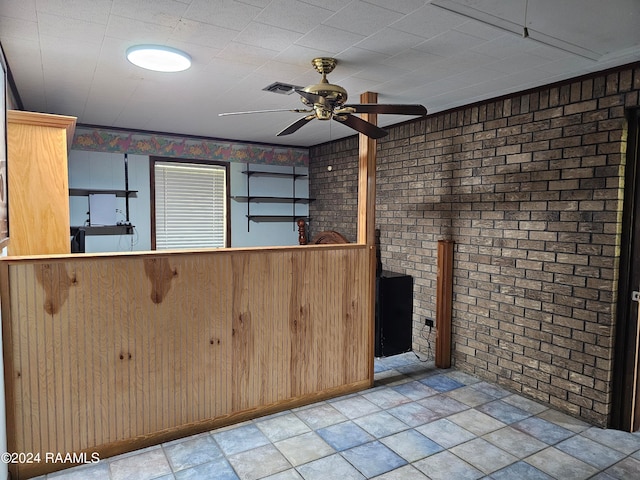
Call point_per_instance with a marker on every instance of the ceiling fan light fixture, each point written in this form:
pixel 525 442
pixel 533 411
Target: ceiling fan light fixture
pixel 159 58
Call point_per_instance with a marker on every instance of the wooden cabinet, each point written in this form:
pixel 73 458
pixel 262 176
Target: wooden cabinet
pixel 38 182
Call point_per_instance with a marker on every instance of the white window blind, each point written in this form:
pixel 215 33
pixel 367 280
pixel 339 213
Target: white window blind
pixel 190 204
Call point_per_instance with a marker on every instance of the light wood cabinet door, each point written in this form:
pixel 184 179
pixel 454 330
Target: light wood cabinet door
pixel 38 182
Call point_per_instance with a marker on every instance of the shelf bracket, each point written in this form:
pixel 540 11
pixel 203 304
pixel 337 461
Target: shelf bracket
pixel 126 186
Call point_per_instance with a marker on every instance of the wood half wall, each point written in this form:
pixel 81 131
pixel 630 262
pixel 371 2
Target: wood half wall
pixel 110 353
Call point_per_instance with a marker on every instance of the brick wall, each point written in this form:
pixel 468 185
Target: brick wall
pixel 335 190
pixel 530 188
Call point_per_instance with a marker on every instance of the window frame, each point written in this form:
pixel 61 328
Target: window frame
pixel 152 177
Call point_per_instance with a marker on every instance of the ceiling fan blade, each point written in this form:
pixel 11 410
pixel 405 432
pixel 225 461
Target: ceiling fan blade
pixel 382 108
pixel 295 110
pixel 362 126
pixel 295 126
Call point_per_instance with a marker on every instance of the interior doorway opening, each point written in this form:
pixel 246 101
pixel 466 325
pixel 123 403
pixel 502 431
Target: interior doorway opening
pixel 626 393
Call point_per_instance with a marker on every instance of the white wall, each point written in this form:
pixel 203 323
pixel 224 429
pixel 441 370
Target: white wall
pixel 99 170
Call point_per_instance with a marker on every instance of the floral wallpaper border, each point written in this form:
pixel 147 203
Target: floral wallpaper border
pixel 117 141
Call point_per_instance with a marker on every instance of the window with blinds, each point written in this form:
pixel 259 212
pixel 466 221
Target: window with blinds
pixel 190 205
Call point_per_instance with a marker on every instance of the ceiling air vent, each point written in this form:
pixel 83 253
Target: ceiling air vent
pixel 281 88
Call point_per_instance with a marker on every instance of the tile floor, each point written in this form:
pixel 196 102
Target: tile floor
pixel 418 422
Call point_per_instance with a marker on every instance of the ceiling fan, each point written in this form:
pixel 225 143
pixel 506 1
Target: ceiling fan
pixel 326 101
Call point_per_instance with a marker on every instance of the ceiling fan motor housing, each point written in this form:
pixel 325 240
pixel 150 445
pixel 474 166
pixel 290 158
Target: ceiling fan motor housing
pixel 330 95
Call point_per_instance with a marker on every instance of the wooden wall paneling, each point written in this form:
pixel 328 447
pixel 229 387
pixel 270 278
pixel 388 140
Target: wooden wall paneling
pixel 61 279
pixel 184 316
pixel 85 367
pixel 324 304
pixel 282 342
pixel 359 334
pixel 111 398
pixel 222 328
pixel 366 278
pixel 117 347
pixel 203 361
pixel 300 328
pixel 321 303
pixel 112 353
pixel 171 357
pixel 174 309
pixel 97 366
pixel 83 346
pixel 323 334
pixel 107 398
pixel 178 310
pixel 276 309
pixel 85 349
pixel 347 344
pixel 70 323
pixel 295 327
pixel 25 385
pixel 261 328
pixel 18 382
pixel 109 409
pixel 12 382
pixel 140 325
pixel 16 379
pixel 243 342
pixel 330 297
pixel 315 311
pixel 191 340
pixel 199 355
pixel 130 354
pixel 39 354
pixel 153 354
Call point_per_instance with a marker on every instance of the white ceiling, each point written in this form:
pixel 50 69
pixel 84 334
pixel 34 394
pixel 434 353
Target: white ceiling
pixel 68 56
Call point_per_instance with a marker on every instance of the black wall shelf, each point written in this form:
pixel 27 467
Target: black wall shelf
pixel 272 199
pixel 104 229
pixel 83 192
pixel 121 229
pixel 276 218
pixel 293 199
pixel 274 174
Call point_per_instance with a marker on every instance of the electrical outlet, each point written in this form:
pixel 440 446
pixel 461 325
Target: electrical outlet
pixel 428 322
